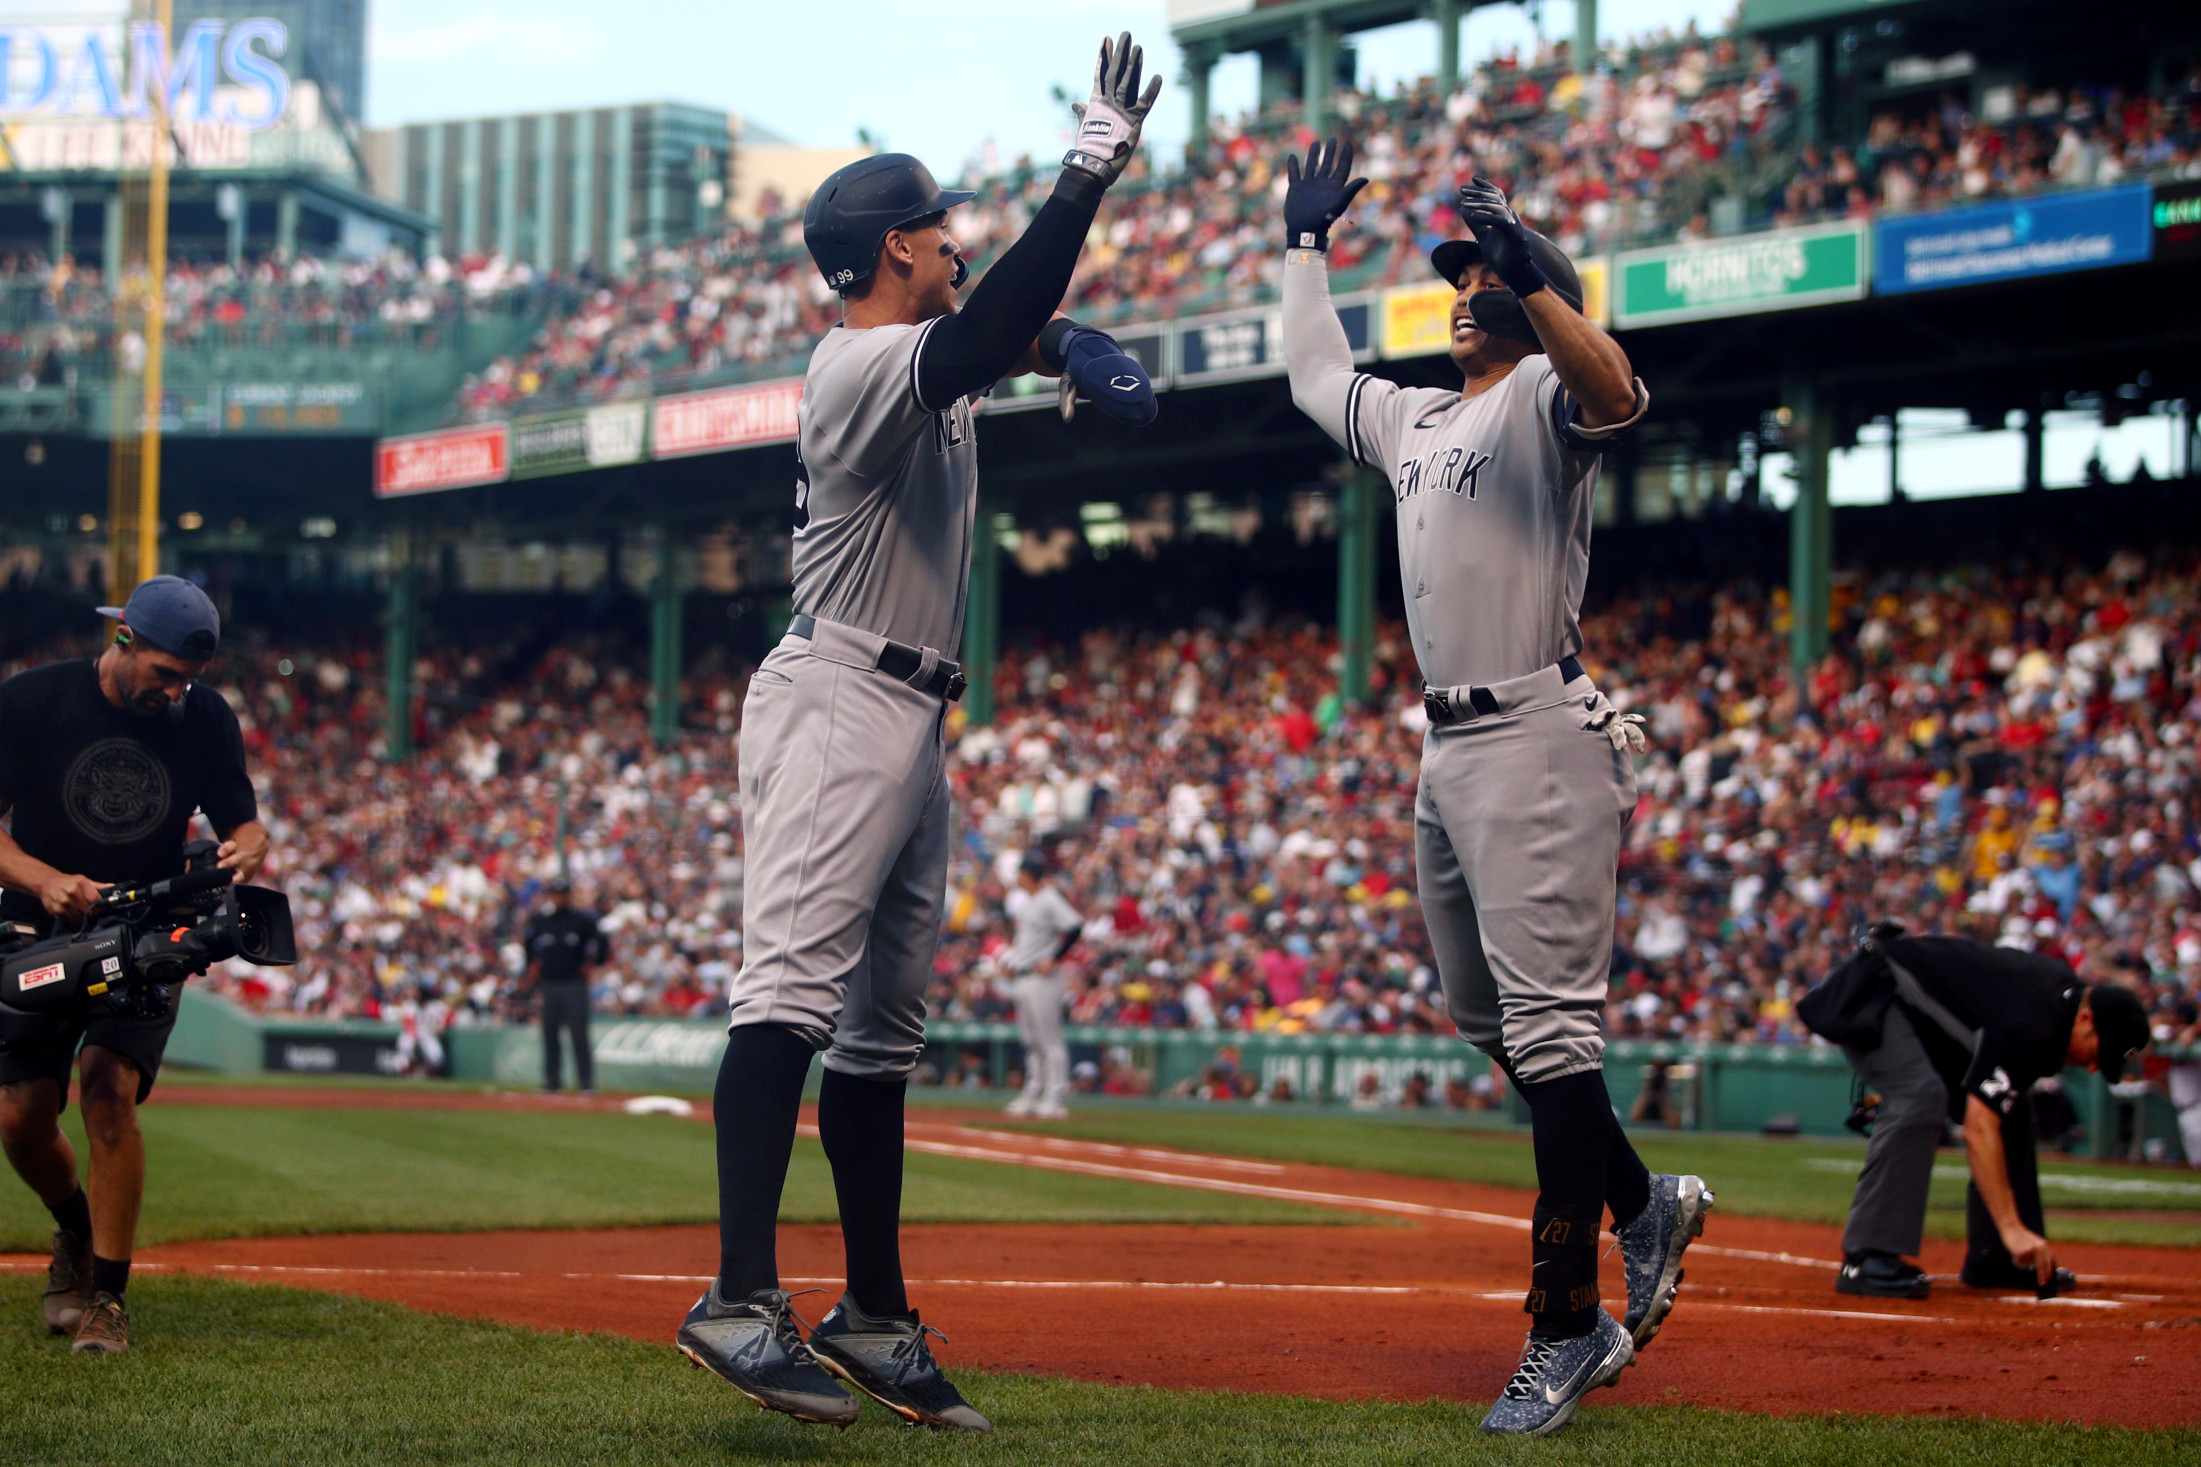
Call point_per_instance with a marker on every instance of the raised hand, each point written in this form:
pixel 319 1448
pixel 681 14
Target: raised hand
pixel 1318 198
pixel 1109 123
pixel 1502 235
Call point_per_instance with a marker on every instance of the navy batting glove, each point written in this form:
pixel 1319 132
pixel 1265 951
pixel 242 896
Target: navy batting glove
pixel 1096 368
pixel 1318 198
pixel 1502 235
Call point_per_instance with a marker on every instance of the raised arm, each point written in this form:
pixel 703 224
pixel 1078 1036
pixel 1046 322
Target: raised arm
pixel 1317 355
pixel 977 346
pixel 1589 363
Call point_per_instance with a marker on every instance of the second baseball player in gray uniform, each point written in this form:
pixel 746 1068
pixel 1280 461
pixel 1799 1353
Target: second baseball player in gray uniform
pixel 1046 928
pixel 842 762
pixel 1526 779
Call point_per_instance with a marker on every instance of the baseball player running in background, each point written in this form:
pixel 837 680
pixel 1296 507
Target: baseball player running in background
pixel 842 768
pixel 1526 777
pixel 1047 927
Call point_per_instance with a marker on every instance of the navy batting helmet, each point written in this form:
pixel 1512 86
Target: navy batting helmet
pixel 1500 312
pixel 848 218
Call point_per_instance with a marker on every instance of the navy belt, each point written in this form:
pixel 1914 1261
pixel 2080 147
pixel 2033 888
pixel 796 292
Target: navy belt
pixel 1480 699
pixel 901 663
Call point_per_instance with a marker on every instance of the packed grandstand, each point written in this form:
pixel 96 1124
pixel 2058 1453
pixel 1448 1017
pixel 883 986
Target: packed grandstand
pixel 1672 136
pixel 2009 753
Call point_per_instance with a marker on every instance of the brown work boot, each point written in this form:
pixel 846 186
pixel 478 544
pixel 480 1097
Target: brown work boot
pixel 68 1280
pixel 105 1328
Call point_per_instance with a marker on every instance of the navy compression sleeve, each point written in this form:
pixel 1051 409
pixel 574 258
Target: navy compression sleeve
pixel 970 350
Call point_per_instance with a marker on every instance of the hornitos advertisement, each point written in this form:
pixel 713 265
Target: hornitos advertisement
pixel 86 94
pixel 1775 271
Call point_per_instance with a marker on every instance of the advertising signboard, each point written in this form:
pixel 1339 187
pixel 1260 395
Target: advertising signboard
pixel 2176 216
pixel 455 458
pixel 1778 270
pixel 1416 320
pixel 724 417
pixel 2046 235
pixel 585 438
pixel 1250 343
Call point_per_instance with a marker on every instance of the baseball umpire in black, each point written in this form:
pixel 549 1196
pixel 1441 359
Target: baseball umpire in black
pixel 102 763
pixel 1947 1029
pixel 564 947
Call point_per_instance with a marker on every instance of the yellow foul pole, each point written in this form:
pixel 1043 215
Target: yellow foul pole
pixel 156 321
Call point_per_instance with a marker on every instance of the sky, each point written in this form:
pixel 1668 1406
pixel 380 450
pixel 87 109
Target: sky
pixel 940 80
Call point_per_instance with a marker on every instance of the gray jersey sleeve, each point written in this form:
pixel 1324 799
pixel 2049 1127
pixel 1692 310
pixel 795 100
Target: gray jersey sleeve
pixel 867 399
pixel 1357 410
pixel 1563 413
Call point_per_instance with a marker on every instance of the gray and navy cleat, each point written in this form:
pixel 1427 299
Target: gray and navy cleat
pixel 887 1358
pixel 1651 1247
pixel 754 1346
pixel 1554 1376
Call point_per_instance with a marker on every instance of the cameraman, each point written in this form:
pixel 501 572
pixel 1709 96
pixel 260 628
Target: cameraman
pixel 102 762
pixel 1946 1029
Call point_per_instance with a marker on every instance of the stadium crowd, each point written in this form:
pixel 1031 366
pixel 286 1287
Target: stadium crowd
pixel 1669 135
pixel 2009 754
pixel 56 315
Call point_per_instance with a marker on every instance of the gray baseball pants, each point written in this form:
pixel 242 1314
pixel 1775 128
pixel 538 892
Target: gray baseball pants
pixel 1888 1213
pixel 1517 828
pixel 844 814
pixel 1039 1023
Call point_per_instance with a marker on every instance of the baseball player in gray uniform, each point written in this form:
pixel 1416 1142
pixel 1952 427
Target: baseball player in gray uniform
pixel 1527 780
pixel 843 790
pixel 1047 927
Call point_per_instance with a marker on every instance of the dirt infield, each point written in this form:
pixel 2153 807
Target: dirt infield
pixel 1427 1306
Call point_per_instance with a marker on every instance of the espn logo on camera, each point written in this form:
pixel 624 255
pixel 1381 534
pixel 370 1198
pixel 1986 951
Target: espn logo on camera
pixel 42 977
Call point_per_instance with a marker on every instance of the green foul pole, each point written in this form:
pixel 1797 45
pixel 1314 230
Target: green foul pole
pixel 1356 584
pixel 982 616
pixel 665 628
pixel 1810 526
pixel 403 624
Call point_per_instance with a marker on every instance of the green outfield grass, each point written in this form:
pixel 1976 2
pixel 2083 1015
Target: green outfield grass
pixel 1809 1181
pixel 244 1171
pixel 239 1373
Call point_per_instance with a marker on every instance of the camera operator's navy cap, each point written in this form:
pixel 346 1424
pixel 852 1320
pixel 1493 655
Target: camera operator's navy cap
pixel 170 613
pixel 2121 1025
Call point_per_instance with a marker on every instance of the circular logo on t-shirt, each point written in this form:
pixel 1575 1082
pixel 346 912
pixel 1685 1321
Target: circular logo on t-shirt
pixel 116 792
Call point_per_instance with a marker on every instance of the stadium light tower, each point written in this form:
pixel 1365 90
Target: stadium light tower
pixel 133 476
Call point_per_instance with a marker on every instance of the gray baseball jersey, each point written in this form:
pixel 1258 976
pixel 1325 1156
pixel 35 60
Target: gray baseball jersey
pixel 887 492
pixel 844 797
pixel 1494 496
pixel 1043 919
pixel 1520 809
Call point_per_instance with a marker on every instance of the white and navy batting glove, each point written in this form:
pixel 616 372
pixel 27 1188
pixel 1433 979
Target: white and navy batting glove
pixel 1109 123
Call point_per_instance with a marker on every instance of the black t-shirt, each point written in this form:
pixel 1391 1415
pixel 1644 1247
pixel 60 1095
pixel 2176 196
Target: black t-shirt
pixel 97 791
pixel 2020 1006
pixel 562 942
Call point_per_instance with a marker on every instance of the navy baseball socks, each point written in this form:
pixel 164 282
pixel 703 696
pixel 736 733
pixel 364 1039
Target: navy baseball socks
pixel 1584 1164
pixel 744 1329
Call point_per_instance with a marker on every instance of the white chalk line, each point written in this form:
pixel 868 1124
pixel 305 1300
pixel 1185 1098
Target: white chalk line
pixel 1502 1296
